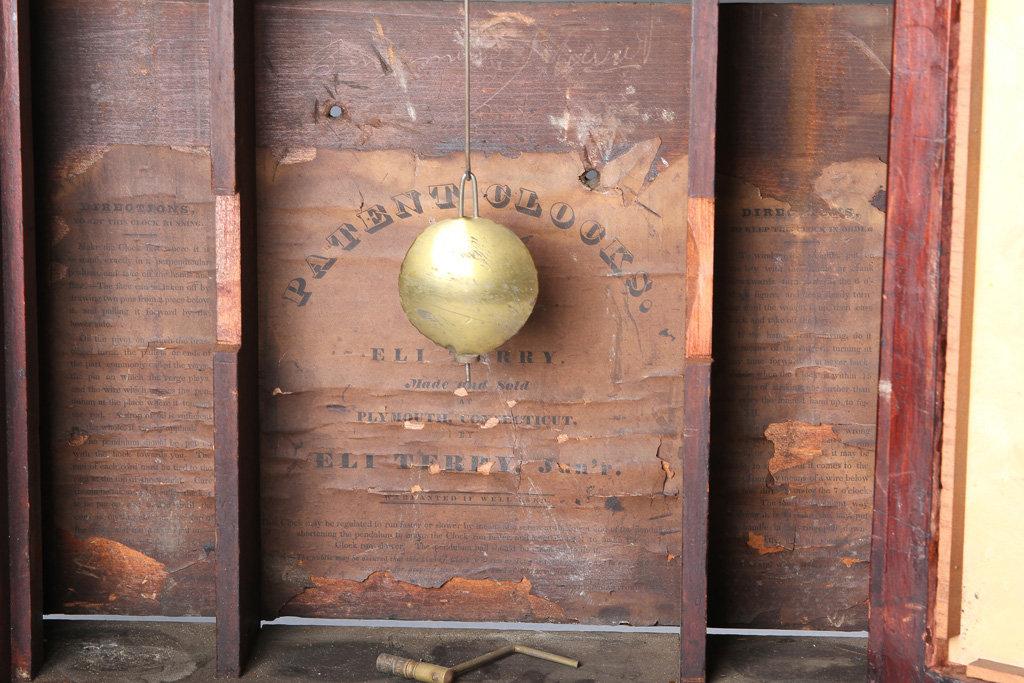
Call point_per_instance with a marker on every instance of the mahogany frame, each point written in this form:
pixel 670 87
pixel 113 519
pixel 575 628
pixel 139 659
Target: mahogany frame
pixel 21 588
pixel 923 146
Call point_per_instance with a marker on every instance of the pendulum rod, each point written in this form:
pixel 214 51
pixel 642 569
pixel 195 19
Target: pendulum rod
pixel 465 11
pixel 468 173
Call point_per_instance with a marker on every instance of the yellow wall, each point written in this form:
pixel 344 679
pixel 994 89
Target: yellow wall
pixel 992 624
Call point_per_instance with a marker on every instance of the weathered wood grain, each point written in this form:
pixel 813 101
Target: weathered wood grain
pixel 122 72
pixel 20 398
pixel 922 141
pixel 802 121
pixel 703 98
pixel 694 593
pixel 548 76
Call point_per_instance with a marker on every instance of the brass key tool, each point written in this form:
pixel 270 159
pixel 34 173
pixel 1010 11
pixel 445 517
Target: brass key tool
pixel 433 673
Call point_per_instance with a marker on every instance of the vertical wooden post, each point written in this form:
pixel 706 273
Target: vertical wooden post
pixel 20 389
pixel 699 269
pixel 235 373
pixel 915 281
pixel 5 584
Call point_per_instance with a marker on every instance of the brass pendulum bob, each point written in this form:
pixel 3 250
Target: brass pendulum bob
pixel 468 283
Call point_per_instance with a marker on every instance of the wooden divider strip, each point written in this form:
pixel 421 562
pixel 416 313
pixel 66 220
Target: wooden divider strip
pixel 703 94
pixel 693 614
pixel 236 458
pixel 699 272
pixel 20 383
pixel 5 584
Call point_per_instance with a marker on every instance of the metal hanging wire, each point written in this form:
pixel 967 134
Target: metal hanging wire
pixel 468 173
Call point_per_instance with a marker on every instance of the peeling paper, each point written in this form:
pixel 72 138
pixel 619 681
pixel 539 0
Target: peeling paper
pixel 108 575
pixel 128 340
pixel 626 175
pixel 597 134
pixel 59 229
pixel 855 185
pixel 757 542
pixel 669 472
pixel 562 456
pixel 469 599
pixel 297 155
pixel 802 271
pixel 796 443
pixel 79 160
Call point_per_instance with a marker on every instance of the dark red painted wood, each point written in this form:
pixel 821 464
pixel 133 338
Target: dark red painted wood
pixel 913 338
pixel 693 614
pixel 20 389
pixel 237 540
pixel 236 459
pixel 703 94
pixel 231 94
pixel 5 584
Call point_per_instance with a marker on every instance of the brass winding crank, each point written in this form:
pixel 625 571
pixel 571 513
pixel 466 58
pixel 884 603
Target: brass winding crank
pixel 434 673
